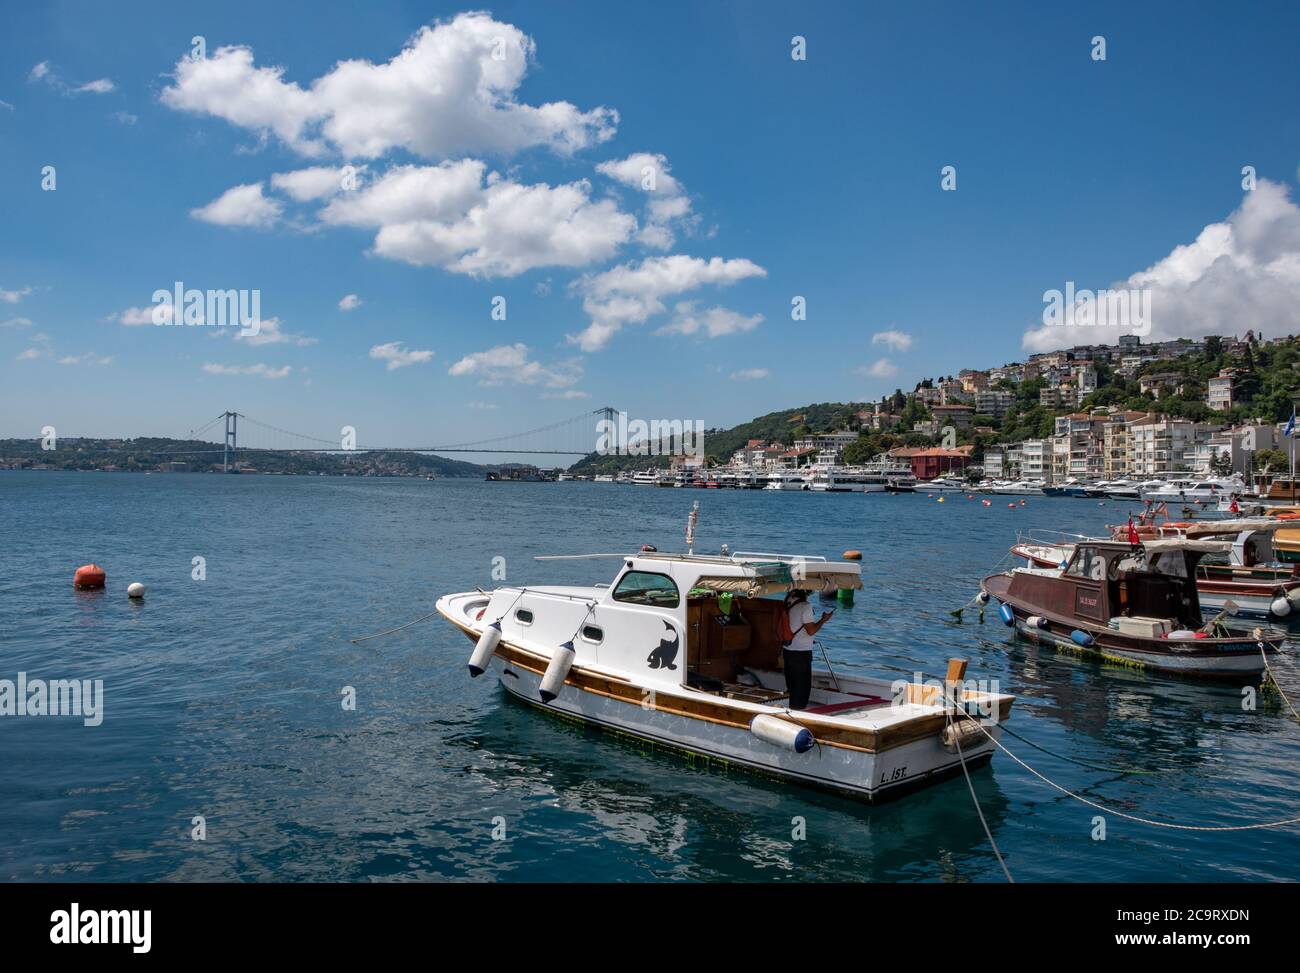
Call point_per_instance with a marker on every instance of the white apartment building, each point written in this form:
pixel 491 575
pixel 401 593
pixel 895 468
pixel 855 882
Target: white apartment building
pixel 994 402
pixel 1160 446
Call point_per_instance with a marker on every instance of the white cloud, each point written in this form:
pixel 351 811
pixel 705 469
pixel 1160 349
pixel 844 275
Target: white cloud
pixel 749 375
pixel 15 323
pixel 881 368
pixel 259 370
pixel 101 86
pixel 399 357
pixel 13 297
pixel 269 333
pixel 1238 275
pixel 5 105
pixel 241 206
pixel 39 71
pixel 316 182
pixel 483 406
pixel 86 359
pixel 445 94
pixel 449 216
pixel 633 293
pixel 134 317
pixel 716 322
pixel 895 340
pixel 349 302
pixel 667 203
pixel 511 363
pixel 45 72
pixel 30 354
pixel 125 117
pixel 40 348
pixel 566 394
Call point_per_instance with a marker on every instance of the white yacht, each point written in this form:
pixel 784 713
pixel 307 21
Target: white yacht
pixel 645 478
pixel 1018 488
pixel 940 484
pixel 786 480
pixel 1192 489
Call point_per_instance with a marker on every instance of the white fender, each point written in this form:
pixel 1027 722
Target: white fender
pixel 556 672
pixel 483 649
pixel 1280 607
pixel 782 733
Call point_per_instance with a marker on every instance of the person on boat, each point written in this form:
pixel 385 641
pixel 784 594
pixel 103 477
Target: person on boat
pixel 797 656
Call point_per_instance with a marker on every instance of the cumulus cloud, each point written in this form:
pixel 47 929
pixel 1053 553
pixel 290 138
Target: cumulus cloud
pixel 259 370
pixel 451 216
pixel 749 375
pixel 1238 275
pixel 896 340
pixel 349 302
pixel 633 293
pixel 397 356
pixel 714 321
pixel 134 317
pixel 512 363
pixel 451 90
pixel 13 297
pixel 667 204
pixel 241 206
pixel 317 182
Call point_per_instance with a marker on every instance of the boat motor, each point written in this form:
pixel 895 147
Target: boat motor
pixel 557 671
pixel 483 649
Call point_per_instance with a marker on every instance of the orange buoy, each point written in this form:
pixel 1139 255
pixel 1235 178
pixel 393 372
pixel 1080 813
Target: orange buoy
pixel 89 576
pixel 853 555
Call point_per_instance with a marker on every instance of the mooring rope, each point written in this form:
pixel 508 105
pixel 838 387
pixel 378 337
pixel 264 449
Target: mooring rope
pixel 1172 825
pixel 367 638
pixel 1276 685
pixel 978 810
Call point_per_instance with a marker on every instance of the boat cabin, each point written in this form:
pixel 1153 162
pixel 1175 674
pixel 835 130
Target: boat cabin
pixel 1112 579
pixel 674 619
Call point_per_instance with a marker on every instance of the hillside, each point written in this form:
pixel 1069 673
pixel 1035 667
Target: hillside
pixel 147 453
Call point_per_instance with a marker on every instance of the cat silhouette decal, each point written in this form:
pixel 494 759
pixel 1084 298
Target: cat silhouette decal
pixel 665 654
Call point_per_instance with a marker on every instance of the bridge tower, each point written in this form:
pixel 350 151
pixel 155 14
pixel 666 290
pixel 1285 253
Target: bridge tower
pixel 232 439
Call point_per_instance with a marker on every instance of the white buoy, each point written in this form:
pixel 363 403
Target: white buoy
pixel 483 649
pixel 135 590
pixel 556 672
pixel 782 733
pixel 1036 621
pixel 1280 607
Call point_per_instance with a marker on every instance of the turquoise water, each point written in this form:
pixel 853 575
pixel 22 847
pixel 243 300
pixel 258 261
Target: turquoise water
pixel 222 699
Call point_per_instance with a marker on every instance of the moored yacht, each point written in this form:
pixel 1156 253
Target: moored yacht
pixel 786 480
pixel 940 484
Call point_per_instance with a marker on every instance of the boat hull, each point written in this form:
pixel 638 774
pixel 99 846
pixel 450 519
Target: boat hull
pixel 871 776
pixel 1226 658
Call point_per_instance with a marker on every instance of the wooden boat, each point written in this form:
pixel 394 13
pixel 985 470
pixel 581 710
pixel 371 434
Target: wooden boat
pixel 1244 571
pixel 683 650
pixel 1135 605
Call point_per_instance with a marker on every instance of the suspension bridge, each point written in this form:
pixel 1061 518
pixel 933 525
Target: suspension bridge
pixel 238 433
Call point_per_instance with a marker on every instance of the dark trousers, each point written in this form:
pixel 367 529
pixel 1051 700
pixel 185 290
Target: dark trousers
pixel 798 677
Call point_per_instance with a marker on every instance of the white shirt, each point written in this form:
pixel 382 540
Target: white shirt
pixel 801 614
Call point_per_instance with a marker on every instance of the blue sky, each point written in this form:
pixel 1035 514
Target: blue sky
pixel 818 178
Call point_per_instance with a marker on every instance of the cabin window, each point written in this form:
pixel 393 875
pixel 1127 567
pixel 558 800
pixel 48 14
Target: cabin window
pixel 645 588
pixel 592 633
pixel 524 617
pixel 1088 564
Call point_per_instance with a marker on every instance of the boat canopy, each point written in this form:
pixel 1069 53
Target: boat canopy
pixel 774 584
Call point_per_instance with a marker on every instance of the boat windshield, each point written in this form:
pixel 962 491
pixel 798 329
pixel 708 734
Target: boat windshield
pixel 647 588
pixel 1087 563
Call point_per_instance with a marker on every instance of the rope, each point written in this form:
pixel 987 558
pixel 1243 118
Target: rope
pixel 1276 685
pixel 978 810
pixel 366 638
pixel 1172 825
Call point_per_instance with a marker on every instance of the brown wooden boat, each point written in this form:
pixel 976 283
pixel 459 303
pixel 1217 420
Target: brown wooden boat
pixel 1137 605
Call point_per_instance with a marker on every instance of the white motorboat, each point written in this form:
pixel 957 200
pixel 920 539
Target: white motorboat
pixel 683 650
pixel 645 478
pixel 1018 488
